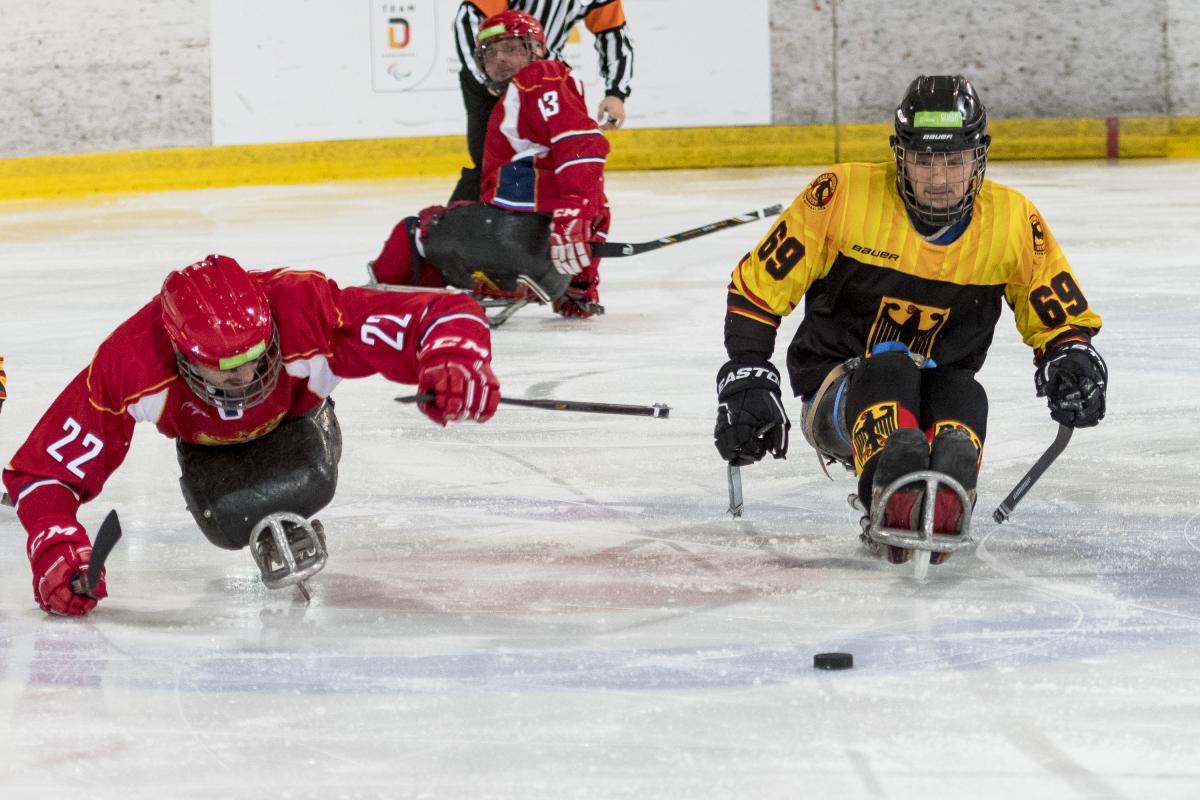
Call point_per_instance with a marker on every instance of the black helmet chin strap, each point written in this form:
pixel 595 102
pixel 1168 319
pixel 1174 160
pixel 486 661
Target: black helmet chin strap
pixel 498 88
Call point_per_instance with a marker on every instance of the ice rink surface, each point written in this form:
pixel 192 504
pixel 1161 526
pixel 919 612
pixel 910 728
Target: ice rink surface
pixel 556 605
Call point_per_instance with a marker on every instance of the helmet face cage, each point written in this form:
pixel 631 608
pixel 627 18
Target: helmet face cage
pixel 504 27
pixel 941 144
pixel 233 401
pixel 482 49
pixel 961 170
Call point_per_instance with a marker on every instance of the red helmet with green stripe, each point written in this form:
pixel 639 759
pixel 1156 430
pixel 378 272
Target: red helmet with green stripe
pixel 219 321
pixel 508 25
pixel 511 24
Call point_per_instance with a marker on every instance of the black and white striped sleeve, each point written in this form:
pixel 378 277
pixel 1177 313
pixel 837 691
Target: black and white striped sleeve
pixel 466 26
pixel 616 60
pixel 606 20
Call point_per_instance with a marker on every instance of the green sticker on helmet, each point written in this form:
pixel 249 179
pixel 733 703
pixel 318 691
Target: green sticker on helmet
pixel 244 358
pixel 938 119
pixel 487 33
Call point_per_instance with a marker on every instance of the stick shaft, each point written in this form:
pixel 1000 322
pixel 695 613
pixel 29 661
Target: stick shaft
pixel 656 410
pixel 621 249
pixel 659 410
pixel 1005 509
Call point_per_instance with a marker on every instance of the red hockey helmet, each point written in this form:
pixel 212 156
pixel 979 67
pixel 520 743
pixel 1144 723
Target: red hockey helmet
pixel 505 26
pixel 219 322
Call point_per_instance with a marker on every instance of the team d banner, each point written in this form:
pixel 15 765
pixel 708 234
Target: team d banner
pixel 406 42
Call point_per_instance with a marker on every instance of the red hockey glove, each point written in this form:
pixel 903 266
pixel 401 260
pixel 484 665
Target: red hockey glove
pixel 58 552
pixel 570 235
pixel 582 297
pixel 456 371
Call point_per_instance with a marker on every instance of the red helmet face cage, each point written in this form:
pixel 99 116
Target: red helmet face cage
pixel 219 321
pixel 506 26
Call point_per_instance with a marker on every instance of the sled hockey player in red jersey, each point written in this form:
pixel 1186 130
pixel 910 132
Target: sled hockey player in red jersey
pixel 902 267
pixel 238 367
pixel 543 198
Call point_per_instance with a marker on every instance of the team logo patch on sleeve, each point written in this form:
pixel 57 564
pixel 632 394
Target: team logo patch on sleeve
pixel 915 325
pixel 1039 235
pixel 820 192
pixel 872 427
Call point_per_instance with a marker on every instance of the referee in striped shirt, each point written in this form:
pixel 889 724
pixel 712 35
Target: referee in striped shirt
pixel 604 18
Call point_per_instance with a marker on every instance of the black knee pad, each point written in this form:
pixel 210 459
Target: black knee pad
pixel 229 488
pixel 884 394
pixel 885 376
pixel 953 395
pixel 501 244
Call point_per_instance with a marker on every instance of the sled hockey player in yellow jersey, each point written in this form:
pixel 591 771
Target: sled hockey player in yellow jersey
pixel 902 267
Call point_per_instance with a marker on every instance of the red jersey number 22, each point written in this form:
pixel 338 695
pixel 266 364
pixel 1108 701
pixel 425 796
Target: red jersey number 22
pixel 91 447
pixel 376 329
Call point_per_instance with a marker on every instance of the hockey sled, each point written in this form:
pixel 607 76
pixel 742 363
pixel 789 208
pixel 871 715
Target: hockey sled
pixel 288 550
pixel 923 541
pixel 498 305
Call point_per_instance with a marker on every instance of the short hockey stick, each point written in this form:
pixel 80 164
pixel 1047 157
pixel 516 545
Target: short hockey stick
pixel 621 249
pixel 1026 483
pixel 658 410
pixel 735 491
pixel 106 539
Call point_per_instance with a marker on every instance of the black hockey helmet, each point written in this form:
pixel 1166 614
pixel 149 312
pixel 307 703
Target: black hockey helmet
pixel 941 122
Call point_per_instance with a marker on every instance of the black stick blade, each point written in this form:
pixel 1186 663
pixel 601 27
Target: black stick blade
pixel 106 539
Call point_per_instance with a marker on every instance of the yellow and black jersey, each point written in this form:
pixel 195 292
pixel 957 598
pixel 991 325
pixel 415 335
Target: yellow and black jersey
pixel 847 247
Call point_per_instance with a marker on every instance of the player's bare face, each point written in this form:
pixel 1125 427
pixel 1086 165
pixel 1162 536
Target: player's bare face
pixel 505 58
pixel 939 180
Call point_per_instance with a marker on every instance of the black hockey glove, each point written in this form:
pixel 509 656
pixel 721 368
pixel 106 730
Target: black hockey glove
pixel 751 421
pixel 1073 377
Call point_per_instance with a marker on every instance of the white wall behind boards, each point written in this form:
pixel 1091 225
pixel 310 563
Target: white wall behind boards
pixel 146 74
pixel 306 70
pixel 79 76
pixel 1027 58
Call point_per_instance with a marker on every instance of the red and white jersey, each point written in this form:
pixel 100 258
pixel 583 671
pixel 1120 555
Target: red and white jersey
pixel 542 144
pixel 326 333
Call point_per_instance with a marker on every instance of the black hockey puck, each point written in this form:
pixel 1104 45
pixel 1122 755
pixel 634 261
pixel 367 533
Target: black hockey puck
pixel 833 660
